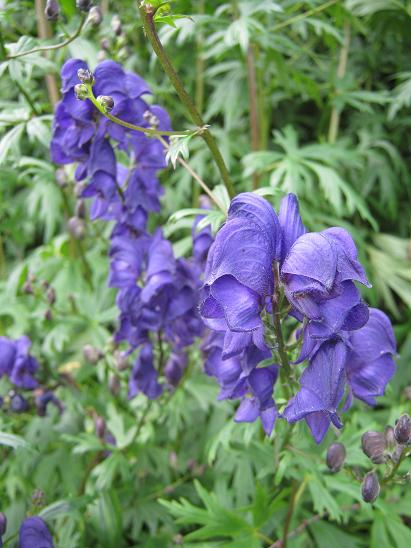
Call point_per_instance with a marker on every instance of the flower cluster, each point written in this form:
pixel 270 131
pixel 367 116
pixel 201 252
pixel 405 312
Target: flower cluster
pixel 17 364
pixel 157 293
pixel 256 260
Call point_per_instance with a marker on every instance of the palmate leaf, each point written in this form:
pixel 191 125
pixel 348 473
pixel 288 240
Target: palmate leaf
pixel 401 94
pixel 215 520
pixel 365 7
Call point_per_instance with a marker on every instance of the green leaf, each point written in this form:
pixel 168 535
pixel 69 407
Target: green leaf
pixel 16 442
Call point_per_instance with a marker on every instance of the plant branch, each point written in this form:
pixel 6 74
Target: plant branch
pixel 147 15
pixel 55 46
pixel 44 32
pixel 253 106
pixel 304 15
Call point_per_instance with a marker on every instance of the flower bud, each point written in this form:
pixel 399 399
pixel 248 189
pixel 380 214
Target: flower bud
pixel 61 177
pixel 91 353
pixel 407 392
pixel 402 430
pixel 106 102
pixel 84 5
pixel 18 404
pixel 86 76
pixel 121 360
pixel 51 295
pixel 27 288
pixel 80 210
pixel 335 457
pixel 100 425
pixel 389 437
pixel 114 385
pixel 116 25
pixel 48 315
pixel 370 488
pixel 105 44
pixel 38 497
pixel 52 10
pixel 77 228
pixel 3 523
pixel 95 16
pixel 81 92
pixel 373 445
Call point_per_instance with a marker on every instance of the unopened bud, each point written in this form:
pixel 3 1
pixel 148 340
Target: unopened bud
pixel 52 10
pixel 105 44
pixel 373 445
pixel 100 424
pixel 77 228
pixel 407 390
pixel 370 488
pixel 27 288
pixel 86 76
pixel 389 437
pixel 48 315
pixel 51 295
pixel 116 25
pixel 402 430
pixel 335 457
pixel 38 498
pixel 81 92
pixel 18 404
pixel 79 189
pixel 95 16
pixel 114 385
pixel 3 523
pixel 178 539
pixel 101 56
pixel 84 5
pixel 80 210
pixel 61 177
pixel 91 353
pixel 106 102
pixel 121 360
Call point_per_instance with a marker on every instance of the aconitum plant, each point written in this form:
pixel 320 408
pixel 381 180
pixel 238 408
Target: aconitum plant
pixel 261 269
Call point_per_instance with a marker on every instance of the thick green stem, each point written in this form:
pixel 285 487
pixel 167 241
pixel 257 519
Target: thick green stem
pixel 147 15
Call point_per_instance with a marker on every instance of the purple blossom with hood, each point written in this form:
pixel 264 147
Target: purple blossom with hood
pixel 17 363
pixel 34 533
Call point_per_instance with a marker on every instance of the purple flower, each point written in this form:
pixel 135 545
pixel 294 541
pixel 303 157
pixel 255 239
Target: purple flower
pixel 144 376
pixel 369 361
pixel 322 388
pixel 7 356
pixel 291 224
pixel 35 534
pixel 239 274
pixel 174 368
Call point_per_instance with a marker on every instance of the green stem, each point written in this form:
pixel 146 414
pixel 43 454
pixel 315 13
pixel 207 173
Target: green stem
pixel 275 301
pixel 55 46
pixel 27 97
pixel 396 466
pixel 147 15
pixel 304 15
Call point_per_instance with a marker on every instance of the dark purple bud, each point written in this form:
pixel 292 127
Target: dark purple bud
pixel 105 44
pixel 92 354
pixel 81 92
pixel 335 457
pixel 77 228
pixel 45 285
pixel 373 445
pixel 18 404
pixel 51 295
pixel 106 102
pixel 52 10
pixel 402 430
pixel 42 400
pixel 86 76
pixel 370 488
pixel 121 360
pixel 114 385
pixel 48 315
pixel 3 524
pixel 61 177
pixel 84 5
pixel 100 425
pixel 389 437
pixel 116 25
pixel 38 498
pixel 95 16
pixel 27 288
pixel 80 210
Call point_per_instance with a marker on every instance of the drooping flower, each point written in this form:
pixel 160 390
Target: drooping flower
pixel 34 533
pixel 17 363
pixel 291 224
pixel 144 376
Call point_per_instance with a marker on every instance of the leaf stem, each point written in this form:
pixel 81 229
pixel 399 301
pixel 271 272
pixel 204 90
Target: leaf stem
pixel 304 15
pixel 147 15
pixel 55 46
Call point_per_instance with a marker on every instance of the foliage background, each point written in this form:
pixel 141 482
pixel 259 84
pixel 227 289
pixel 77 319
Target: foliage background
pixel 304 96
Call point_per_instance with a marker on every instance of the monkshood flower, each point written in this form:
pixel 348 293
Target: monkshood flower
pixel 144 375
pixel 239 271
pixel 34 533
pixel 16 362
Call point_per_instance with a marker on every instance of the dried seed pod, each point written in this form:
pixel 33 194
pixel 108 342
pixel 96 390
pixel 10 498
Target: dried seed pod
pixel 370 488
pixel 402 430
pixel 373 445
pixel 52 10
pixel 336 456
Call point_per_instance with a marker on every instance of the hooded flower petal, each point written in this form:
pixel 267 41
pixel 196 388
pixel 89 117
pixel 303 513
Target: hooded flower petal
pixel 291 224
pixel 35 534
pixel 144 376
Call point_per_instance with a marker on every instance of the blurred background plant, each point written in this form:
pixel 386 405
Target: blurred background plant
pixel 308 97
